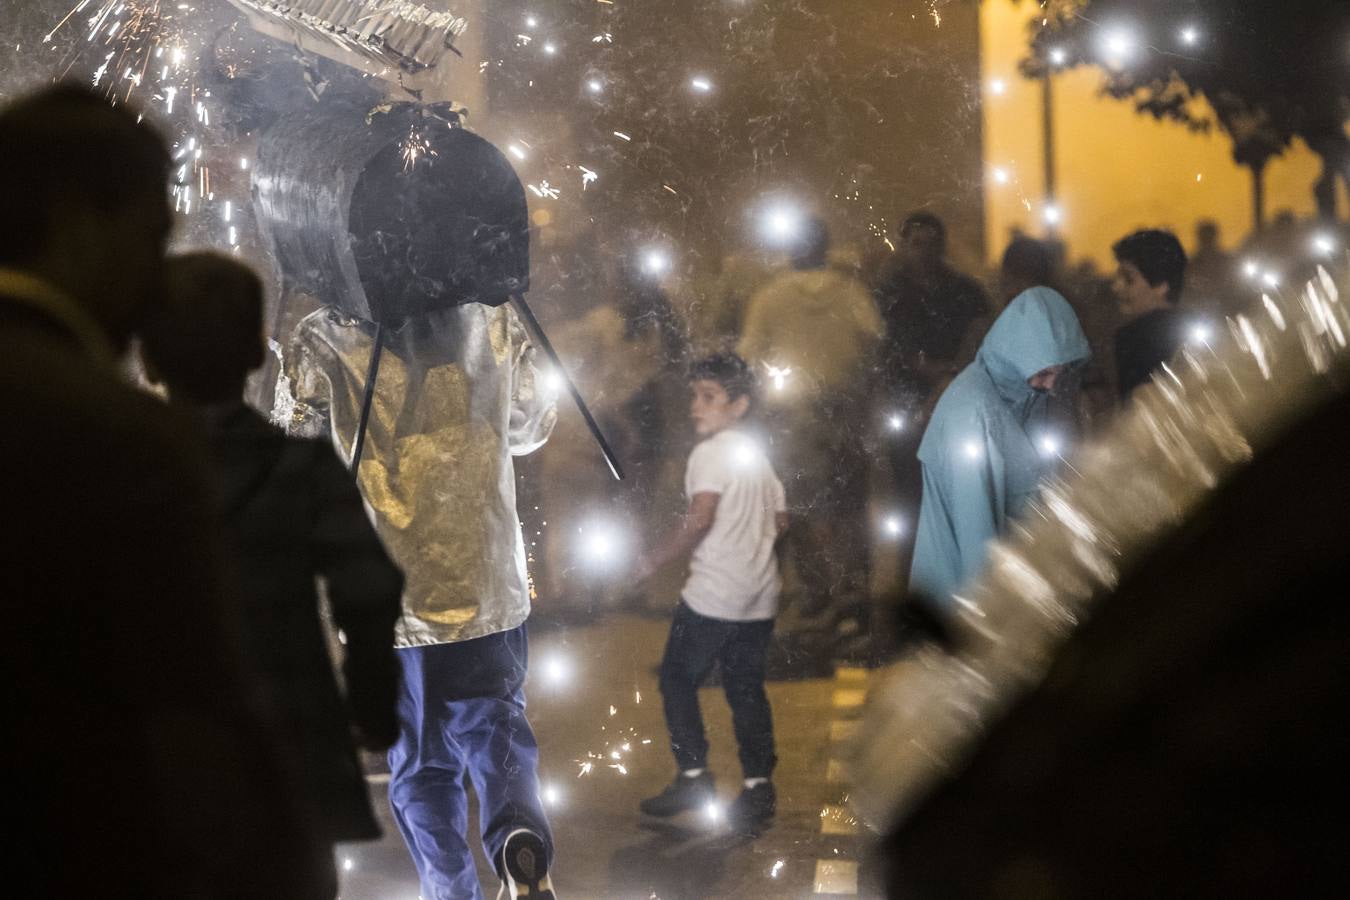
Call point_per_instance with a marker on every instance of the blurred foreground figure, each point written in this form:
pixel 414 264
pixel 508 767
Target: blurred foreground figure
pixel 456 398
pixel 138 765
pixel 1143 694
pixel 815 333
pixel 292 514
pixel 982 455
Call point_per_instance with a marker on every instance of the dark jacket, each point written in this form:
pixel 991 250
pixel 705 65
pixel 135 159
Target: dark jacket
pixel 292 515
pixel 139 764
pixel 933 318
pixel 1142 346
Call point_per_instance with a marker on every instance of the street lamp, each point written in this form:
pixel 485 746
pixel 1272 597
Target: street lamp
pixel 1056 57
pixel 1119 44
pixel 655 262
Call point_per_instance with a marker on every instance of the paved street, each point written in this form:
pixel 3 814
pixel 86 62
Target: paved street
pixel 597 713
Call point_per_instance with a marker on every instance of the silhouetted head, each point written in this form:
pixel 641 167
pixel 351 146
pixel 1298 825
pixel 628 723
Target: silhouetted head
pixel 1207 234
pixel 85 203
pixel 208 335
pixel 923 241
pixel 1027 263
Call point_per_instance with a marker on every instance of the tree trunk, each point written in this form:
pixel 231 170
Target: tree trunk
pixel 1258 197
pixel 1324 189
pixel 1333 148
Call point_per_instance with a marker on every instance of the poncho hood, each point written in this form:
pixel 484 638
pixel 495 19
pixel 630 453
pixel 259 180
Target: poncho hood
pixel 1037 330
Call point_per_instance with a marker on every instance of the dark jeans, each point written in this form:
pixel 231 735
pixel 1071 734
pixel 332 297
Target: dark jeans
pixel 462 710
pixel 696 643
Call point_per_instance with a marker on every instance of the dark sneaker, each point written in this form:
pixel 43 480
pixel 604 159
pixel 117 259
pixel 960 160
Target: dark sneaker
pixel 681 795
pixel 524 867
pixel 754 808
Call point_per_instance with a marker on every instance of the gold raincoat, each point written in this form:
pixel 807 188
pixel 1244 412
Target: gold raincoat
pixel 455 399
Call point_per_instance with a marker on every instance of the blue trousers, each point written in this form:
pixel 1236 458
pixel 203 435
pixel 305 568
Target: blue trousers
pixel 462 711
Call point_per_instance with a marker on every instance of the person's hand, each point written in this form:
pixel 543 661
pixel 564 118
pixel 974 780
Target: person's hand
pixel 375 740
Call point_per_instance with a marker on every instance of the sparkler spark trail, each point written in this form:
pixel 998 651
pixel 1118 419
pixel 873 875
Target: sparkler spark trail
pixel 148 50
pixel 413 148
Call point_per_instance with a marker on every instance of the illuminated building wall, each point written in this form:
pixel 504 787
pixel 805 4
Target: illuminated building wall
pixel 1116 170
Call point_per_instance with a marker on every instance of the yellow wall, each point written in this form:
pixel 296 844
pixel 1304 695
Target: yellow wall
pixel 1116 170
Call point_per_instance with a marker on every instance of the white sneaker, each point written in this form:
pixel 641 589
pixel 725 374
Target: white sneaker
pixel 524 867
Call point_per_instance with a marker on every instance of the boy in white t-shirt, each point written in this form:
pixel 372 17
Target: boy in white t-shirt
pixel 736 515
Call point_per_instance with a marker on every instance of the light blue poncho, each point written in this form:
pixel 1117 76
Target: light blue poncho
pixel 981 464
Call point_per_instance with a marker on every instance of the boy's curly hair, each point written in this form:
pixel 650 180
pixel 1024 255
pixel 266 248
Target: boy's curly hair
pixel 734 374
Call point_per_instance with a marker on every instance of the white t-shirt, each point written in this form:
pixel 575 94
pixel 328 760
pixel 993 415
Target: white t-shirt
pixel 733 574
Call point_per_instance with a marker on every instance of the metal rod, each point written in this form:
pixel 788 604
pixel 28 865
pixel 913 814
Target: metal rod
pixel 606 450
pixel 372 372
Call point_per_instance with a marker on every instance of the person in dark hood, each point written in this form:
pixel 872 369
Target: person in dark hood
pixel 1150 274
pixel 292 515
pixel 982 456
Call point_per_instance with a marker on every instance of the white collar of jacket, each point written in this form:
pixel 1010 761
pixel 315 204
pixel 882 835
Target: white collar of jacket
pixel 26 289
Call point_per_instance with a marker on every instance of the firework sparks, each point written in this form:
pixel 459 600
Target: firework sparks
pixel 150 46
pixel 415 147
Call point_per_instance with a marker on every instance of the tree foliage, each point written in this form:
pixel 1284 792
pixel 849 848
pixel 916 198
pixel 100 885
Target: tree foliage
pixel 1267 72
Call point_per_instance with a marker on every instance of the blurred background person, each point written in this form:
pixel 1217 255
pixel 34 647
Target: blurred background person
pixel 1150 276
pixel 629 354
pixel 1211 275
pixel 1027 263
pixel 814 333
pixel 724 301
pixel 934 317
pixel 292 515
